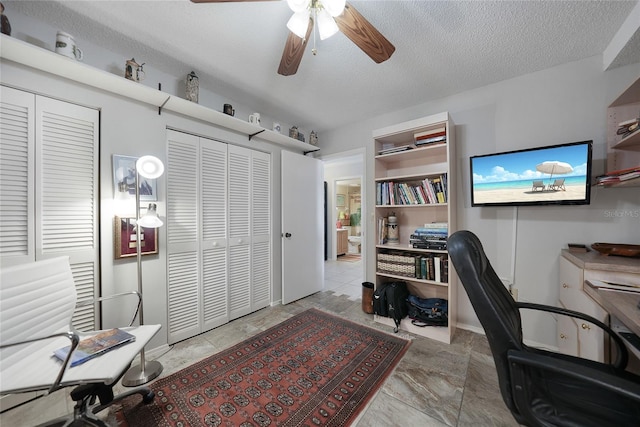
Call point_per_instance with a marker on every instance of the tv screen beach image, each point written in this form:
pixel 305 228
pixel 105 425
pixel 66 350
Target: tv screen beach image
pixel 544 175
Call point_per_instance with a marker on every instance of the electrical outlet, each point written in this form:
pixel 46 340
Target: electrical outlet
pixel 514 293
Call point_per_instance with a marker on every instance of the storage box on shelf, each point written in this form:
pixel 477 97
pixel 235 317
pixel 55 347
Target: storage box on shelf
pixel 414 179
pixel 623 151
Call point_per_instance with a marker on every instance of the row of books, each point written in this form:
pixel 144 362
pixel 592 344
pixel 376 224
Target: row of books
pixel 427 191
pixel 431 236
pixel 614 177
pixel 434 267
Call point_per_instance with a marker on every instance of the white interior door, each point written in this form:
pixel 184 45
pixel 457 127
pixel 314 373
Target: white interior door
pixel 302 226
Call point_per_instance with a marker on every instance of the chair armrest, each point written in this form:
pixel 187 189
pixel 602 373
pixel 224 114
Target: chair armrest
pixel 108 297
pixel 622 355
pixel 591 377
pixel 75 340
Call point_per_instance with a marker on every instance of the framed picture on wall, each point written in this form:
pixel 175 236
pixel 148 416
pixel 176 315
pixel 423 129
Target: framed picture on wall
pixel 124 179
pixel 125 240
pixel 340 200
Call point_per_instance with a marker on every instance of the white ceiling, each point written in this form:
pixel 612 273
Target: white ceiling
pixel 442 48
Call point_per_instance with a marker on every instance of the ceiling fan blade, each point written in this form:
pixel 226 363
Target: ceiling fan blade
pixel 293 51
pixel 364 34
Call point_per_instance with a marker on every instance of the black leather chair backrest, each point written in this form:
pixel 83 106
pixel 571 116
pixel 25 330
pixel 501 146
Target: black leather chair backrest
pixel 493 304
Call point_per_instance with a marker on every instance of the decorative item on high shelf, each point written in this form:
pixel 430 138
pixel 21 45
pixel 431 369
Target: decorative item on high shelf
pixel 66 46
pixel 300 136
pixel 313 138
pixel 5 26
pixel 393 237
pixel 293 132
pixel 193 86
pixel 133 70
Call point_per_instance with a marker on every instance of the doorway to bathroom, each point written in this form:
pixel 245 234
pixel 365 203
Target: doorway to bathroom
pixel 344 269
pixel 348 224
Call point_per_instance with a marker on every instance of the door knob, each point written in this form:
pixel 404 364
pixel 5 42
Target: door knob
pixel 287 235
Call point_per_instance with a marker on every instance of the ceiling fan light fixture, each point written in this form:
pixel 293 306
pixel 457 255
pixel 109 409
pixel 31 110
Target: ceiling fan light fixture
pixel 298 5
pixel 326 25
pixel 334 7
pixel 299 22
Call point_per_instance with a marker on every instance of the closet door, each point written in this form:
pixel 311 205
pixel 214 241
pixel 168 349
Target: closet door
pixel 49 197
pixel 67 200
pixel 260 230
pixel 183 259
pixel 239 161
pixel 17 155
pixel 213 197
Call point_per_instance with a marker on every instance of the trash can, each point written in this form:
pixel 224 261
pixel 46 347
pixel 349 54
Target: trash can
pixel 367 297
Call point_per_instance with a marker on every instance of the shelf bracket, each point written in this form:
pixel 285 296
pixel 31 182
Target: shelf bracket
pixel 304 153
pixel 251 135
pixel 163 104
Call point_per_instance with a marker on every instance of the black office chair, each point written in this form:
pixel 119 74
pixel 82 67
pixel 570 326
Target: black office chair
pixel 543 388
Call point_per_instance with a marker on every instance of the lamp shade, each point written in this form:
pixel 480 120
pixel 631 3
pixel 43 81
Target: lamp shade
pixel 299 23
pixel 334 7
pixel 149 167
pixel 326 25
pixel 150 219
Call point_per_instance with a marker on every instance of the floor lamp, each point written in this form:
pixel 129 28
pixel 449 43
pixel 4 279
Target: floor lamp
pixel 149 167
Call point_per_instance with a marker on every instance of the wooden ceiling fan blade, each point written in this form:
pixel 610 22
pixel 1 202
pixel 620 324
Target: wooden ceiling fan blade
pixel 364 34
pixel 293 51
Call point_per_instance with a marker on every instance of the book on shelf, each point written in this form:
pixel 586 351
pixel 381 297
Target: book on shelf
pixel 439 131
pixel 394 149
pixel 432 140
pixel 619 175
pixel 95 345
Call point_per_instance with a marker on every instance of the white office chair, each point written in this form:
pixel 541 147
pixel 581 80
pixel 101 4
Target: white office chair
pixel 37 301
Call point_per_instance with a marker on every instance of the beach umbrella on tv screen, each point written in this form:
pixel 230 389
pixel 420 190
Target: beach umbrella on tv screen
pixel 554 167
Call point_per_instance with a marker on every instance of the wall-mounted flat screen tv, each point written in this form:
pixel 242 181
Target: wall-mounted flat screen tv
pixel 553 175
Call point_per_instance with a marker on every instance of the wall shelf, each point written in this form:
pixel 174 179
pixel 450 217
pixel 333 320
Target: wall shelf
pixel 41 59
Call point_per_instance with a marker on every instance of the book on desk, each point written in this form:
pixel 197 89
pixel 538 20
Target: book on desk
pixel 95 345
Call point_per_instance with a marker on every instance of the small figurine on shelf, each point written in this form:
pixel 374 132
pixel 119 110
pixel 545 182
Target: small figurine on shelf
pixel 313 138
pixel 133 70
pixel 392 232
pixel 293 132
pixel 5 26
pixel 193 87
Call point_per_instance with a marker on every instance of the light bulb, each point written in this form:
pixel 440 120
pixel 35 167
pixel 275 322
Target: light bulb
pixel 149 167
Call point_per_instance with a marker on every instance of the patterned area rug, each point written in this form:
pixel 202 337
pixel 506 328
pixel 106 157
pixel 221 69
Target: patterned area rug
pixel 312 369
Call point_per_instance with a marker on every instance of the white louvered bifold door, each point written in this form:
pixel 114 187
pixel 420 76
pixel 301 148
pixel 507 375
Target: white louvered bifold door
pixel 17 154
pixel 67 194
pixel 239 231
pixel 213 197
pixel 260 230
pixel 183 260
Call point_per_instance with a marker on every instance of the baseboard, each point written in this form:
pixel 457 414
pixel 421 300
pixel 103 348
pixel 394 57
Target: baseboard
pixel 155 353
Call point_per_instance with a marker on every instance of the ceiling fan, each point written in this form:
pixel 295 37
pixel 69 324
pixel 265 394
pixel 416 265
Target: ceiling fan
pixel 331 16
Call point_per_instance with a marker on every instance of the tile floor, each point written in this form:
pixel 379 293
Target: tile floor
pixel 434 385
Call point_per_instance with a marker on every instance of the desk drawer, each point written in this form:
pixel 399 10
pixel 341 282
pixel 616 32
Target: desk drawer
pixel 571 279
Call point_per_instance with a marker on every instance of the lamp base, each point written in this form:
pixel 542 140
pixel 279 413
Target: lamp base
pixel 136 375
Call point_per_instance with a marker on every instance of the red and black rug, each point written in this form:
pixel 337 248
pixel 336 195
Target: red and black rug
pixel 312 369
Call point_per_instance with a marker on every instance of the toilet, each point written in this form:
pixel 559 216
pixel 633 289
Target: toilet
pixel 354 244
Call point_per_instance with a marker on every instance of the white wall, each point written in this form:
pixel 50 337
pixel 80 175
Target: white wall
pixel 562 104
pixel 133 129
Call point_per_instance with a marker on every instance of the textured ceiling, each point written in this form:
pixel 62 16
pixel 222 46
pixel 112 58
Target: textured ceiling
pixel 442 48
